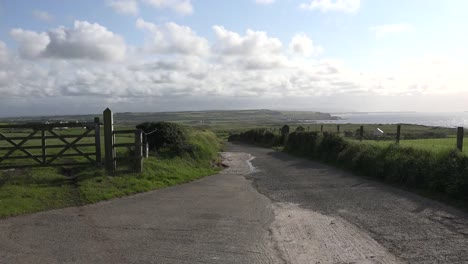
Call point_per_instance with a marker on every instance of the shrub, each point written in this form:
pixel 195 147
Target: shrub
pixel 167 136
pixel 260 136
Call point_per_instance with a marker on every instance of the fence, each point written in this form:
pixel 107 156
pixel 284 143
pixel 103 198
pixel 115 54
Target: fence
pixel 29 139
pixel 140 145
pixel 61 144
pixel 417 136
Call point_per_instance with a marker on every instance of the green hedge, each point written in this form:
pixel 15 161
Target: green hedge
pixel 259 136
pixel 444 173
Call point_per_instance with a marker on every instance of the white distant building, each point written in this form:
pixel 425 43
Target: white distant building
pixel 378 132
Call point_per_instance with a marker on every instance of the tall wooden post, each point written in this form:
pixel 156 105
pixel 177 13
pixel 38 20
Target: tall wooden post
pixel 97 140
pixel 361 133
pixel 138 151
pixel 284 134
pixel 145 146
pixel 44 151
pixel 460 134
pixel 109 141
pixel 398 133
pixel 338 129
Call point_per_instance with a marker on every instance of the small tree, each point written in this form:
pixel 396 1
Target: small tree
pixel 166 135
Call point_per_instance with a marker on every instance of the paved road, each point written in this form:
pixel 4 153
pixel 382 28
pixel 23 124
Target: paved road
pixel 297 211
pixel 409 227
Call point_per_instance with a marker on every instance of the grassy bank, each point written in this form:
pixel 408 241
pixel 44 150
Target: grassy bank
pixel 37 189
pixel 442 174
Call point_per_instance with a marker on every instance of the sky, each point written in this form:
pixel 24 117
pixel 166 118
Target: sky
pixel 79 57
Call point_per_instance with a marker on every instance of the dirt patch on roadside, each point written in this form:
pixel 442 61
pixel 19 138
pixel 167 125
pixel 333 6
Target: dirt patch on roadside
pixel 305 236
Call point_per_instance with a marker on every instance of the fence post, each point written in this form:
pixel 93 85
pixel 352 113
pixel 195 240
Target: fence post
pixel 145 146
pixel 321 129
pixel 284 134
pixel 460 133
pixel 109 141
pixel 338 129
pixel 398 133
pixel 138 151
pixel 44 151
pixel 97 139
pixel 361 133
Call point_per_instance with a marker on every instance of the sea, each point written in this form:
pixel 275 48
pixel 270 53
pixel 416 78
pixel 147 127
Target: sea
pixel 459 119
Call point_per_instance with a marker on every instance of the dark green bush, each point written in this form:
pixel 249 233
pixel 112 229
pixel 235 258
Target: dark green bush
pixel 260 136
pixel 445 173
pixel 168 137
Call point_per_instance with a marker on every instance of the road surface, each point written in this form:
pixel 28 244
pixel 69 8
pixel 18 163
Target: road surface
pixel 273 209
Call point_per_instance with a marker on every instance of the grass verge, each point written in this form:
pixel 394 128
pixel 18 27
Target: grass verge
pixel 38 189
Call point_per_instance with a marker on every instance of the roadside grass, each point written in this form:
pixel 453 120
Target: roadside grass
pixel 37 189
pixel 436 145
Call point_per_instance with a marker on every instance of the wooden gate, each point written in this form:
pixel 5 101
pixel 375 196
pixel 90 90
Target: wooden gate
pixel 56 144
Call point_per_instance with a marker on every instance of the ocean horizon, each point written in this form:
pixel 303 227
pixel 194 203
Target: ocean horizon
pixel 455 119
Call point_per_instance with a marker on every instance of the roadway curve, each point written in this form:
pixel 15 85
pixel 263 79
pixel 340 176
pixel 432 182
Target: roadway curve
pixel 296 211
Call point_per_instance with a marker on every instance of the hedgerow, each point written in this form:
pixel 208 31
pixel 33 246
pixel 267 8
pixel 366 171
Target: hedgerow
pixel 441 173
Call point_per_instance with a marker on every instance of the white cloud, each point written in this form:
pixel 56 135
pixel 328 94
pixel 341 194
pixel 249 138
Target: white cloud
pixel 304 46
pixel 126 7
pixel 42 15
pixel 171 38
pixel 30 43
pixel 183 7
pixel 254 50
pixel 383 30
pixel 253 42
pixel 346 6
pixel 235 67
pixel 84 41
pixel 264 2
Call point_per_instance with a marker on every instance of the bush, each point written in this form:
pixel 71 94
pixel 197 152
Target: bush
pixel 167 136
pixel 260 136
pixel 445 173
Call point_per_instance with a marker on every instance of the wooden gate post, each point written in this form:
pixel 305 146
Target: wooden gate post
pixel 398 133
pixel 460 133
pixel 361 133
pixel 97 140
pixel 109 141
pixel 138 151
pixel 145 146
pixel 44 147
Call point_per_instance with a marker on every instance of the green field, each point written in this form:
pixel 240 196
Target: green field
pixel 221 122
pixel 120 138
pixel 431 144
pixel 36 189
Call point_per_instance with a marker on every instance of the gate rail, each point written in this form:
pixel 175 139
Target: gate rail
pixel 39 132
